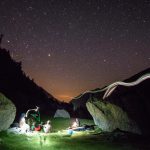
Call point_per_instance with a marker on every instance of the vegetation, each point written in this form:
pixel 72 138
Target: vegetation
pixel 59 139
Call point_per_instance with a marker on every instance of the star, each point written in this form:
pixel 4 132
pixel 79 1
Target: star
pixel 104 60
pixel 85 38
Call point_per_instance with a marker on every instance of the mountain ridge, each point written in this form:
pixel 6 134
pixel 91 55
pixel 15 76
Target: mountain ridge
pixel 23 91
pixel 79 102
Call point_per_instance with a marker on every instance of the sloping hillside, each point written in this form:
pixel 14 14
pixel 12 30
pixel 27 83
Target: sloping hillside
pixel 23 91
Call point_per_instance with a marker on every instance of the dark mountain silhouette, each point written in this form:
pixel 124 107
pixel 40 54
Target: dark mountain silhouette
pixel 139 94
pixel 21 90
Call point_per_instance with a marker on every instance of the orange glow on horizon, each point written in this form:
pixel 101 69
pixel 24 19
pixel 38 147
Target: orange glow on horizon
pixel 65 98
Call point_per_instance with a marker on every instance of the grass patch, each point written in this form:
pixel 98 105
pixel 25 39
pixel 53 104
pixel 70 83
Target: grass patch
pixel 60 140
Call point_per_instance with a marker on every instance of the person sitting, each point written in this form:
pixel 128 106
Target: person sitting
pixel 23 125
pixel 33 117
pixel 76 123
pixel 47 127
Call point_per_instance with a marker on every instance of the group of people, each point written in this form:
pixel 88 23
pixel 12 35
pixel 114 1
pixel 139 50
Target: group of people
pixel 76 126
pixel 31 122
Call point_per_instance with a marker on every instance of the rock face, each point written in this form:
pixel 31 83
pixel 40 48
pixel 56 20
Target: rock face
pixel 134 101
pixel 79 105
pixel 61 113
pixel 110 117
pixel 7 112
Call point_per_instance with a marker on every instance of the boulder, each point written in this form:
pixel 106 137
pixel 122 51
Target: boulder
pixel 110 117
pixel 7 112
pixel 61 113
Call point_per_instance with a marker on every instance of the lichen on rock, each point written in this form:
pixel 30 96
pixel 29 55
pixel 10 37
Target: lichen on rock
pixel 7 112
pixel 109 116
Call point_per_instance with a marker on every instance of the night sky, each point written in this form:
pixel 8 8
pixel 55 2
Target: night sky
pixel 70 46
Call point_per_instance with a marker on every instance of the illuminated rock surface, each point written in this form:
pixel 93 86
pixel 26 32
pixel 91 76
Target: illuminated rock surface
pixel 110 117
pixel 7 112
pixel 132 100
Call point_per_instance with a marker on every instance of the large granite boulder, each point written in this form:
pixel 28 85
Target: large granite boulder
pixel 110 117
pixel 7 112
pixel 132 99
pixel 129 98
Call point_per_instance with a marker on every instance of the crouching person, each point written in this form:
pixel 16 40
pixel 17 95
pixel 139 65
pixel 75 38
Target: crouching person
pixel 23 125
pixel 47 128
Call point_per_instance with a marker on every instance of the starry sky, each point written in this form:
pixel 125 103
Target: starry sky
pixel 70 46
